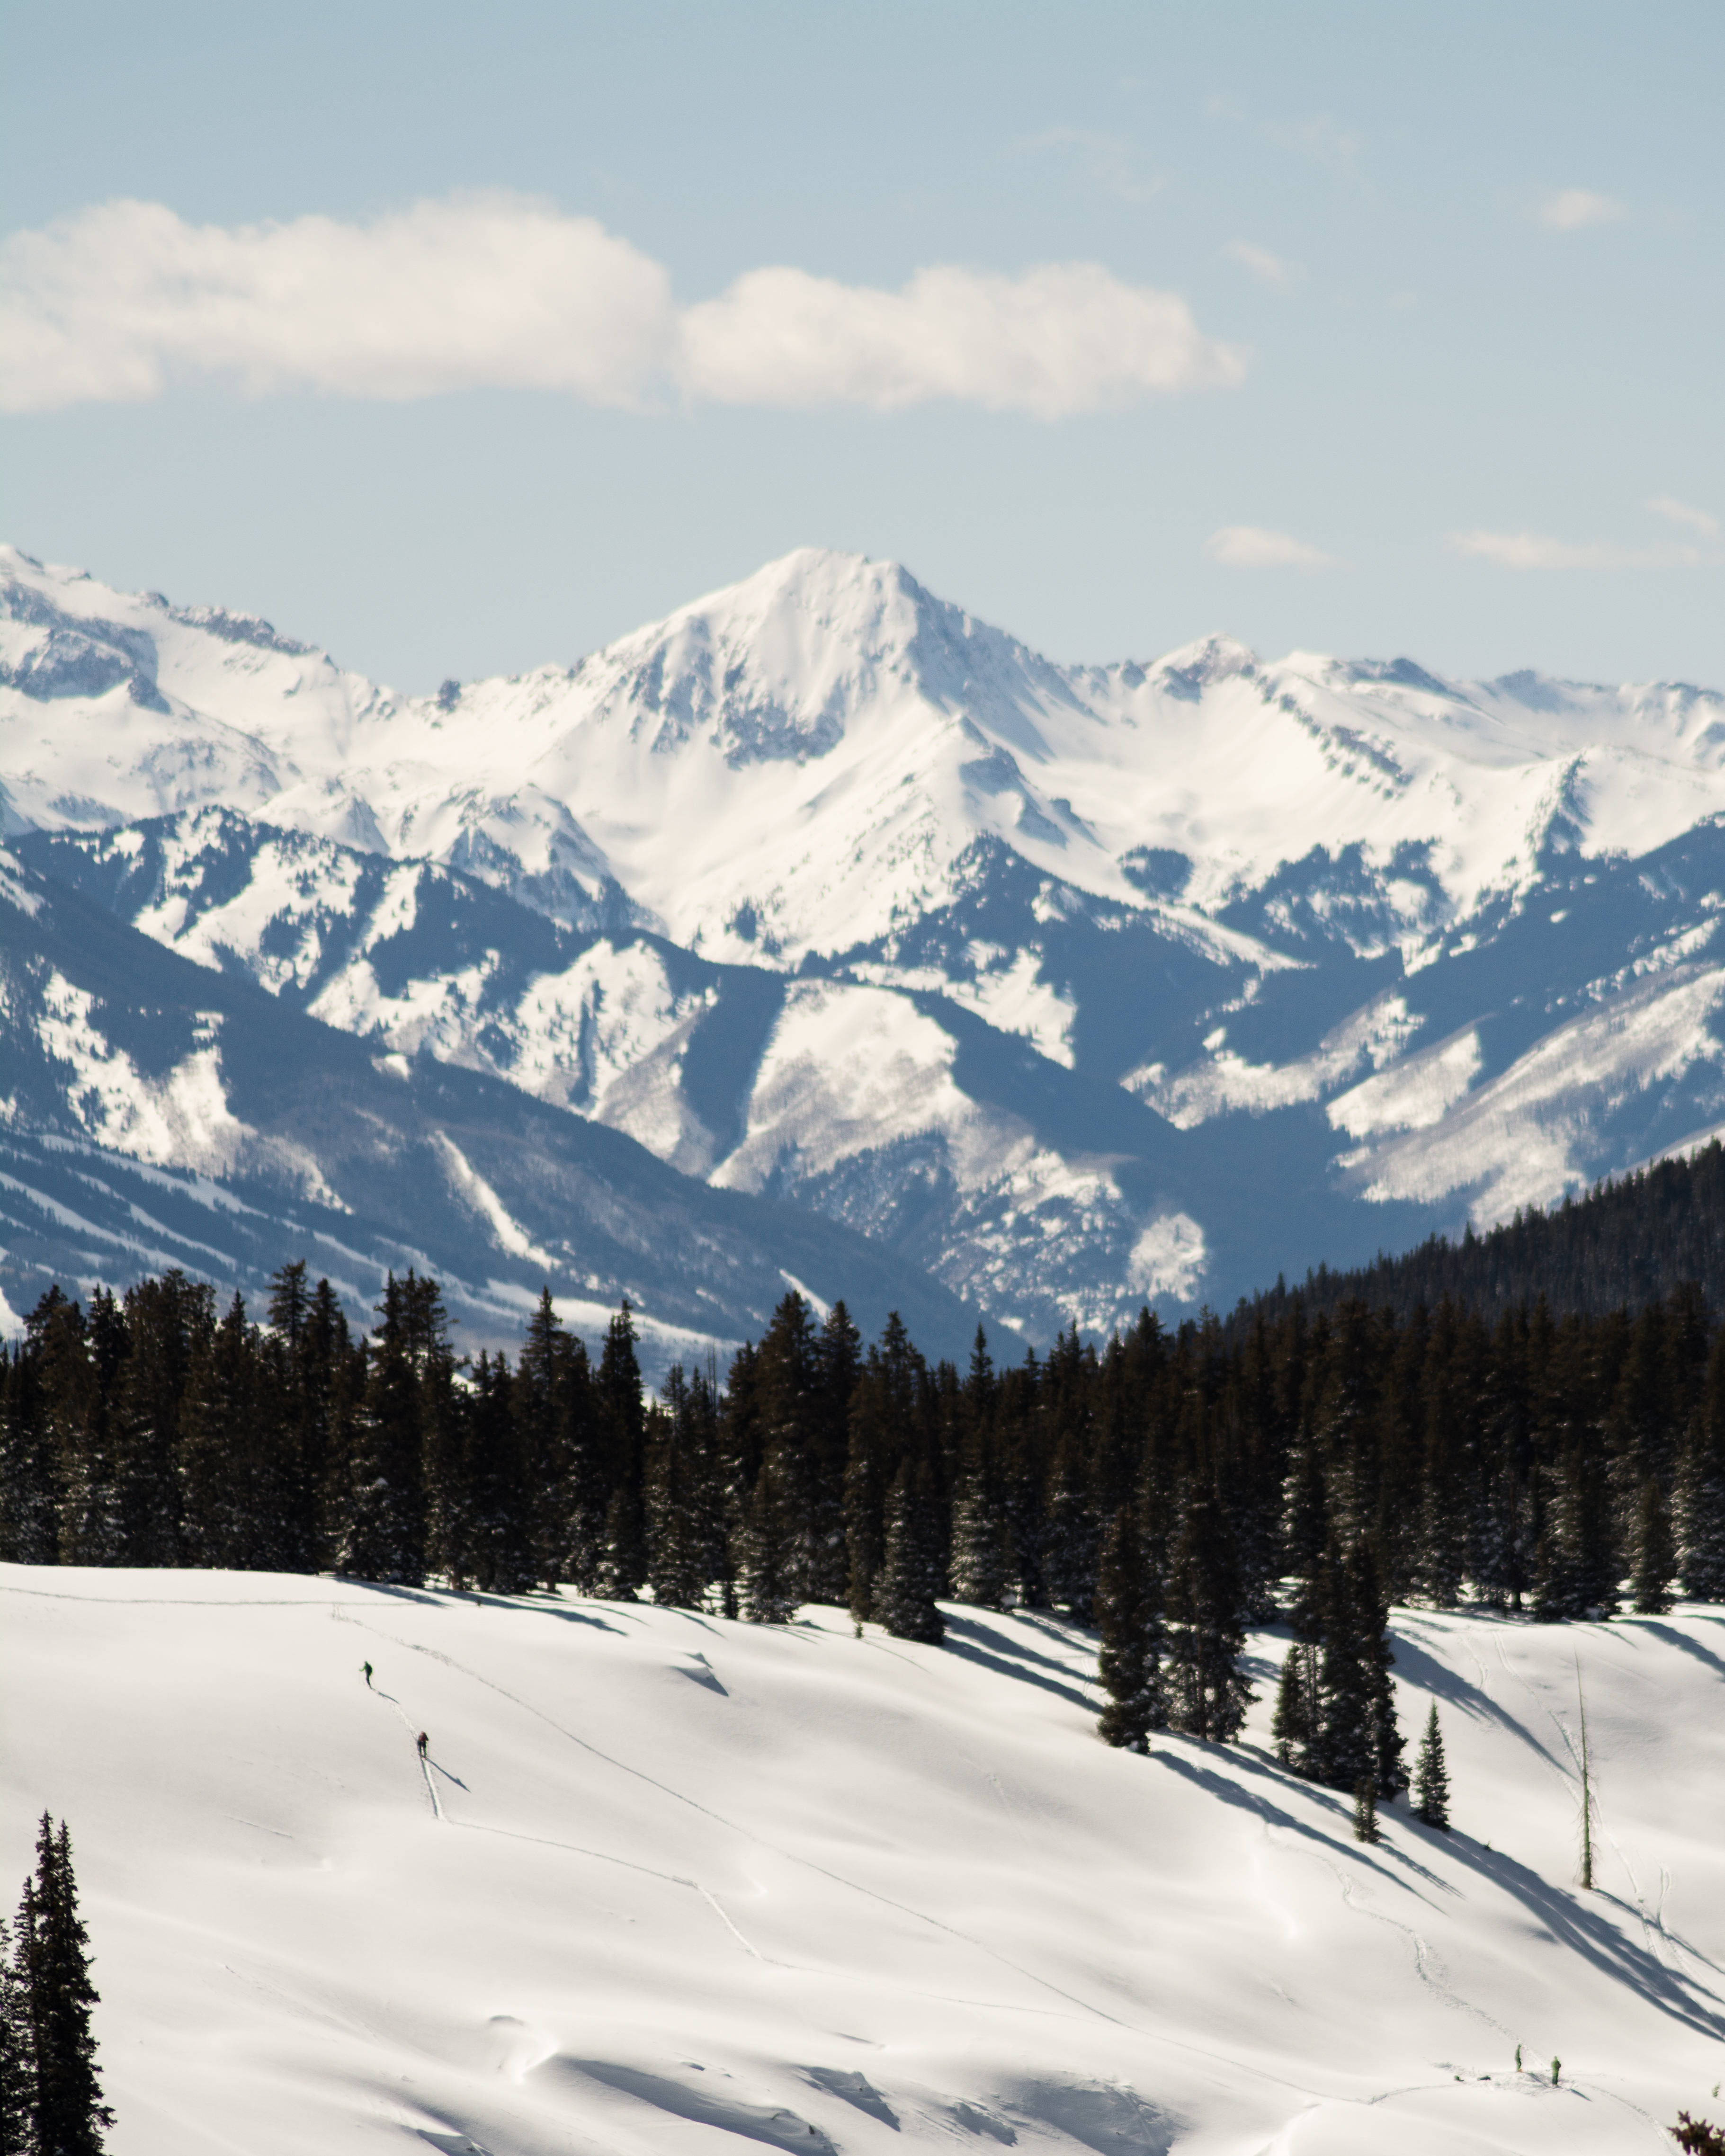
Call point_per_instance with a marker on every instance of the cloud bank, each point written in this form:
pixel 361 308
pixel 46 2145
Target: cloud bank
pixel 125 300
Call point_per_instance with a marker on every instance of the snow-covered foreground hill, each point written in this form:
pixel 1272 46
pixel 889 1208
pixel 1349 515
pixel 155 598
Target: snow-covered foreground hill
pixel 672 1884
pixel 1073 986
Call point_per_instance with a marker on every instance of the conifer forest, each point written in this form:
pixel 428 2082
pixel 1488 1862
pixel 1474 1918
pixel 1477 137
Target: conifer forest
pixel 1170 1487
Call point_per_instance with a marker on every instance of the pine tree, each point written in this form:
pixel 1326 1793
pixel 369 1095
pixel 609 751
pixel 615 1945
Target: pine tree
pixel 1365 1808
pixel 53 1958
pixel 17 2054
pixel 1344 1746
pixel 1129 1615
pixel 1294 1722
pixel 29 1501
pixel 978 1568
pixel 623 1435
pixel 767 1556
pixel 1700 1490
pixel 678 1467
pixel 1207 1695
pixel 1431 1779
pixel 913 1567
pixel 1655 1553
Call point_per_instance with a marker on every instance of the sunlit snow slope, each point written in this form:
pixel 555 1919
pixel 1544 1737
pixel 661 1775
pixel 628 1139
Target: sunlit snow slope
pixel 671 1884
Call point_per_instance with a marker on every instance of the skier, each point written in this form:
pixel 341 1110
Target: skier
pixel 367 1667
pixel 423 1741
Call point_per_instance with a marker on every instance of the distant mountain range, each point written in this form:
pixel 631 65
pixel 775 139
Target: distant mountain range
pixel 821 911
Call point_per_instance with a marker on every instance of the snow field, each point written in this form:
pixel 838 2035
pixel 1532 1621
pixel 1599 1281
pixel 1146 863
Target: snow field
pixel 672 1884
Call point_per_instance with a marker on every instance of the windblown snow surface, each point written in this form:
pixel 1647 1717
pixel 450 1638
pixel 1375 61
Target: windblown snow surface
pixel 671 1884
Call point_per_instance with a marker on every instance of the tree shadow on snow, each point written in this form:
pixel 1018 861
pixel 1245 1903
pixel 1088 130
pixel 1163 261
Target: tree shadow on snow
pixel 1415 1666
pixel 999 1655
pixel 1672 1637
pixel 1374 1857
pixel 1569 1920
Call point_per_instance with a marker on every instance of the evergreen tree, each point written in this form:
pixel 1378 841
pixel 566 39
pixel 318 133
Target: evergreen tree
pixel 1431 1779
pixel 29 1500
pixel 1365 1808
pixel 17 2054
pixel 1655 1553
pixel 913 1566
pixel 884 1425
pixel 679 1467
pixel 1345 1746
pixel 978 1571
pixel 499 1551
pixel 1700 1505
pixel 1294 1724
pixel 54 1960
pixel 1129 1615
pixel 1207 1695
pixel 386 1524
pixel 623 1431
pixel 767 1563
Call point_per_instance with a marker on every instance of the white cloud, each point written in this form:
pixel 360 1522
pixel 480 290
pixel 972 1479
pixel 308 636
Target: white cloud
pixel 1066 338
pixel 1530 550
pixel 114 304
pixel 1251 546
pixel 123 301
pixel 1267 268
pixel 1680 512
pixel 1573 210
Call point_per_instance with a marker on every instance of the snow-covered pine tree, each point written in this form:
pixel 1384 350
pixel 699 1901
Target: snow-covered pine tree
pixel 913 1566
pixel 1129 1615
pixel 54 1961
pixel 979 1567
pixel 17 2054
pixel 1655 1555
pixel 1431 1777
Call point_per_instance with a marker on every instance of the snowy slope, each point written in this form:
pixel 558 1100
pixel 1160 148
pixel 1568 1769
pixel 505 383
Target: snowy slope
pixel 1152 979
pixel 673 1884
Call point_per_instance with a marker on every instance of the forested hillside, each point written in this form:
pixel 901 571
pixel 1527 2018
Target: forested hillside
pixel 1622 1246
pixel 1172 1486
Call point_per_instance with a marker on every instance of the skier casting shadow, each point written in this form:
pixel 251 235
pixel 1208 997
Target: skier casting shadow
pixel 423 1740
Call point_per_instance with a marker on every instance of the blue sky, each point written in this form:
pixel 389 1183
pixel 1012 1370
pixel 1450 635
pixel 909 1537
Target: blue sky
pixel 1403 328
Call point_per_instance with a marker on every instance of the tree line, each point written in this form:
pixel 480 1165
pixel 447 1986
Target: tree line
pixel 1629 1242
pixel 1170 1485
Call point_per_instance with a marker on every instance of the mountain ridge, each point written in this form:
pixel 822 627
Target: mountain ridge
pixel 1073 986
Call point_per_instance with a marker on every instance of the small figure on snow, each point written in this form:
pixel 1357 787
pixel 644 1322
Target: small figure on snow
pixel 367 1669
pixel 423 1740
